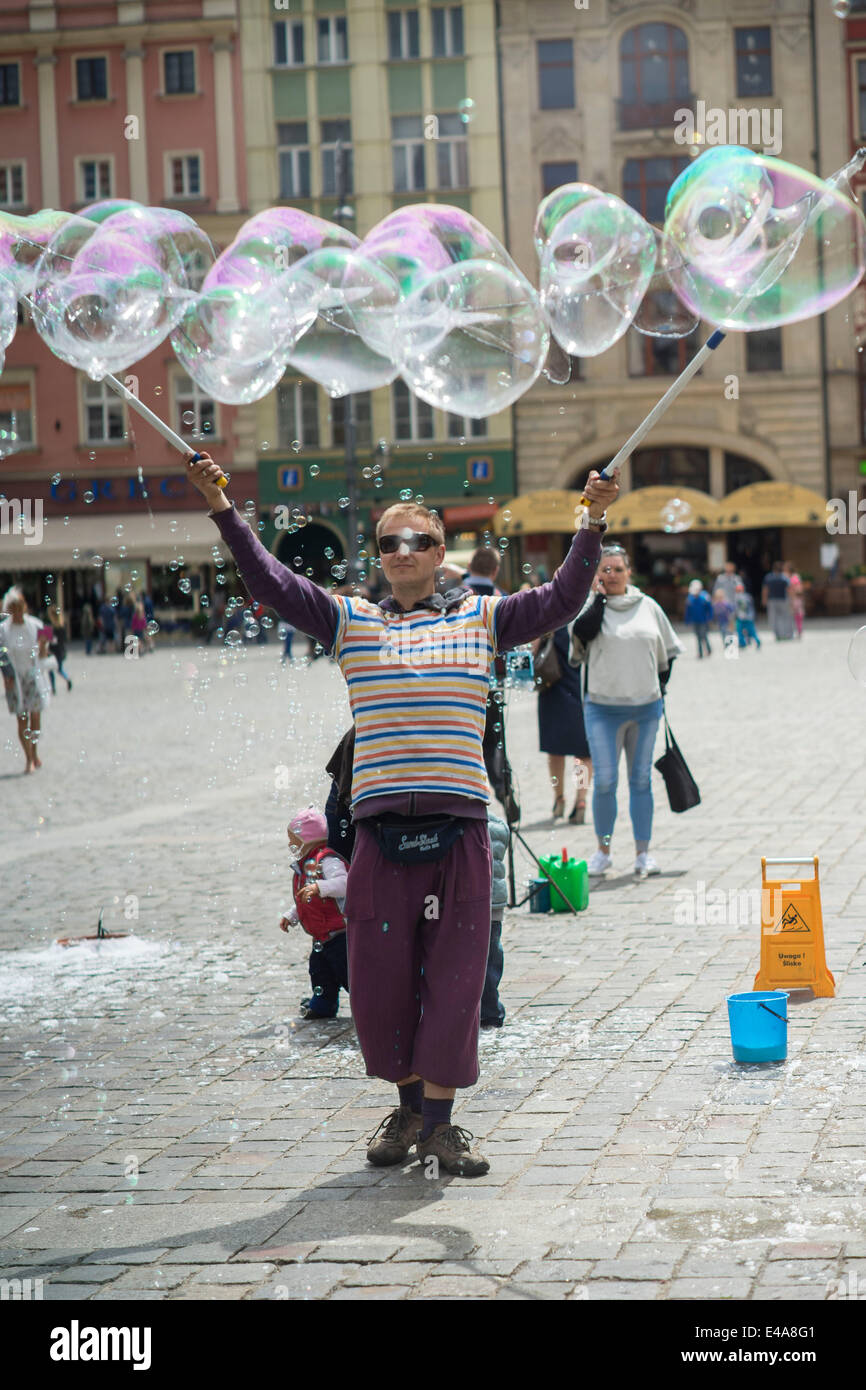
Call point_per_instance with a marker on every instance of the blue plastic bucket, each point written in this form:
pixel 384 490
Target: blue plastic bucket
pixel 759 1025
pixel 539 895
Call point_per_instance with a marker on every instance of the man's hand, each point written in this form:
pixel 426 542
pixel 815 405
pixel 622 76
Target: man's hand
pixel 203 474
pixel 602 492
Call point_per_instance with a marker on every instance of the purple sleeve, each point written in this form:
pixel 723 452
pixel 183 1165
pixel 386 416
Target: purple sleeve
pixel 522 617
pixel 293 597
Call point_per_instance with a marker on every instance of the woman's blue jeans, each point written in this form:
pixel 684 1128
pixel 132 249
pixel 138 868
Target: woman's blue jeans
pixel 609 729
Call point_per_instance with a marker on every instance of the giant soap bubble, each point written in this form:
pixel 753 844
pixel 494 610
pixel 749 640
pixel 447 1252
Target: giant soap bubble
pixel 470 337
pixel 597 260
pixel 758 242
pixel 109 288
pixel 347 347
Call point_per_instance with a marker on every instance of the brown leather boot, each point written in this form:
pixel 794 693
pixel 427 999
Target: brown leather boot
pixel 450 1145
pixel 402 1127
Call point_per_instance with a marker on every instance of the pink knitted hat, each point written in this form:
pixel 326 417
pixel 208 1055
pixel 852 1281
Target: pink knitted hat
pixel 309 825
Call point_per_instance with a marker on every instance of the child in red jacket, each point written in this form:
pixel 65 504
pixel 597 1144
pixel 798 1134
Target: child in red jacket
pixel 319 888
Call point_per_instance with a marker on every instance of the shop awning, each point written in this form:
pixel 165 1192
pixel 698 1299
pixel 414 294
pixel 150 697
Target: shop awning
pixel 538 511
pixel 772 504
pixel 190 534
pixel 644 510
pixel 468 511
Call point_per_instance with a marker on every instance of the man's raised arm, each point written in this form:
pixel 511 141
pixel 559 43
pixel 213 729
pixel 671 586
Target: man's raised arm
pixel 292 596
pixel 524 616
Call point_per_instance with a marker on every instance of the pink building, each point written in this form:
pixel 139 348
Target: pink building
pixel 142 100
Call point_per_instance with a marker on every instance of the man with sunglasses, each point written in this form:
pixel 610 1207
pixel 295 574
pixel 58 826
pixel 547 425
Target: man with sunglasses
pixel 418 899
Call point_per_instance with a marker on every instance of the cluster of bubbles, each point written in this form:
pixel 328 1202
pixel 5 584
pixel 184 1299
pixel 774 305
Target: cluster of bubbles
pixel 430 295
pixel 749 242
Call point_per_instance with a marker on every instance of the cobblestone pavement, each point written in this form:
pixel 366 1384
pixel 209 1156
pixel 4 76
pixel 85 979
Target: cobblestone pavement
pixel 171 1130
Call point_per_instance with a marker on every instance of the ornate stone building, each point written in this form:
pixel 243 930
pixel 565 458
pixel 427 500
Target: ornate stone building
pixel 597 94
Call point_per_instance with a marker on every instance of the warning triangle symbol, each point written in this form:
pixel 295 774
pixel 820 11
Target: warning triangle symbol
pixel 792 921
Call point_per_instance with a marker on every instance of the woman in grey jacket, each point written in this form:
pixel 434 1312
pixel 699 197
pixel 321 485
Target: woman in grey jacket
pixel 630 648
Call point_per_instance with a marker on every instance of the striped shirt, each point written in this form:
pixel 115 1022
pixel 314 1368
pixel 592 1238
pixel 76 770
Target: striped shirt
pixel 418 686
pixel 423 717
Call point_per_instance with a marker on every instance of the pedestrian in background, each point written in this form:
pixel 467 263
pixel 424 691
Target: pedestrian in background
pixel 88 627
pixel 319 888
pixel 723 613
pixel 561 732
pixel 797 600
pixel 21 650
pixel 745 618
pixel 57 645
pixel 629 648
pixel 287 633
pixel 698 614
pixel 774 596
pixel 106 627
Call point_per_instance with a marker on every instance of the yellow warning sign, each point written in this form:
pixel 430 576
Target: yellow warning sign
pixel 792 932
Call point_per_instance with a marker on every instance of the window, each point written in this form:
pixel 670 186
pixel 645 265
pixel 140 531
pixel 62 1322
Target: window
pixel 333 40
pixel 460 428
pixel 297 414
pixel 185 176
pixel 94 179
pixel 363 420
pixel 754 62
pixel 413 418
pixel 10 84
pixel 645 184
pixel 654 75
pixel 742 472
pixel 293 153
pixel 448 31
pixel 16 419
pixel 196 265
pixel 91 79
pixel 332 133
pixel 764 350
pixel 677 466
pixel 191 401
pixel 555 175
pixel 288 44
pixel 403 34
pixel 555 74
pixel 407 152
pixel 180 71
pixel 452 153
pixel 11 185
pixel 861 98
pixel 103 413
pixel 649 356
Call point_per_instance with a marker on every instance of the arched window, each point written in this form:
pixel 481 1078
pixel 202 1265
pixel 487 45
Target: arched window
pixel 741 472
pixel 653 74
pixel 677 466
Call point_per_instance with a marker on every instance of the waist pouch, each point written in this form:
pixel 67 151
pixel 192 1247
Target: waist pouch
pixel 415 839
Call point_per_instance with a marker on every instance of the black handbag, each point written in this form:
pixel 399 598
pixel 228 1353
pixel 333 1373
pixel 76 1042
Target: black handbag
pixel 545 665
pixel 681 786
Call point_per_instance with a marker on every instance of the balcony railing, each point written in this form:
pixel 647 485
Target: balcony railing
pixel 651 115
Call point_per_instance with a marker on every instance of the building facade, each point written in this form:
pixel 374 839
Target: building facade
pixel 597 94
pixel 408 91
pixel 137 101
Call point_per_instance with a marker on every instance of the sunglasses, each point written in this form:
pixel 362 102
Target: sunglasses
pixel 413 540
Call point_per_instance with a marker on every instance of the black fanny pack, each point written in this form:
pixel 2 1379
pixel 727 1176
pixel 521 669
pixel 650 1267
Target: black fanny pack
pixel 415 839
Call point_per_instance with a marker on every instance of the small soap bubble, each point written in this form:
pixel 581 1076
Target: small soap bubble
pixel 88 497
pixel 315 470
pixel 676 515
pixel 466 110
pixel 188 417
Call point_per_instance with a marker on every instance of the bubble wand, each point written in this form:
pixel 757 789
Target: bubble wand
pixel 153 419
pixel 854 166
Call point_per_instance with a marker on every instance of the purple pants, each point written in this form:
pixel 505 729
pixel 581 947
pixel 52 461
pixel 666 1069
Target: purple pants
pixel 415 977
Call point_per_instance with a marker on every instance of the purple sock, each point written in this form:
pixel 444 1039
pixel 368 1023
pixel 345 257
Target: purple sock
pixel 435 1112
pixel 412 1094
